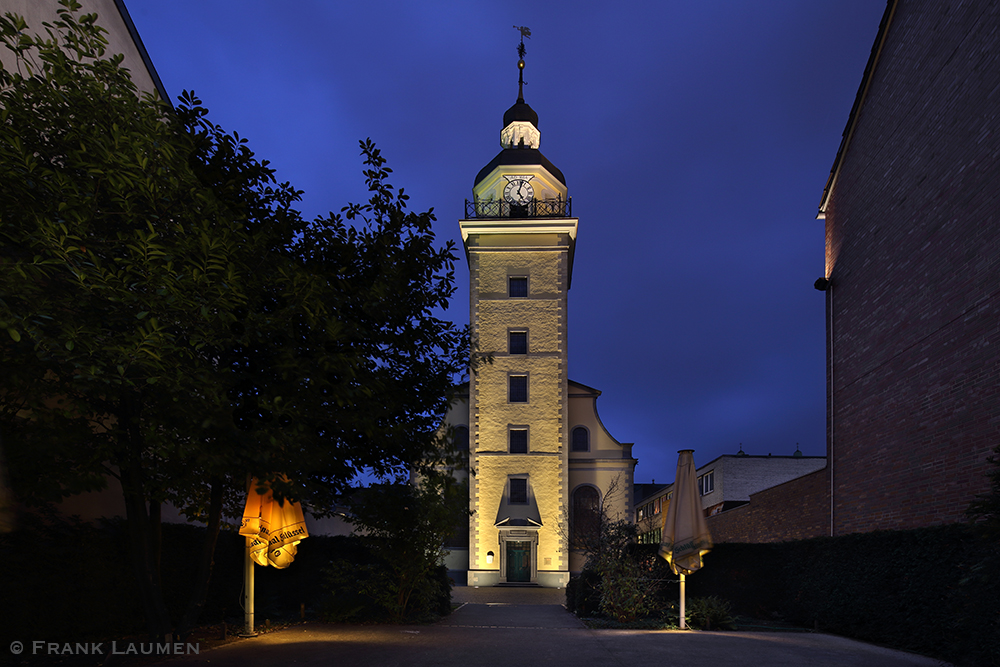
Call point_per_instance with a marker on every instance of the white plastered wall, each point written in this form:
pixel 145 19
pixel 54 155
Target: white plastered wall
pixel 607 466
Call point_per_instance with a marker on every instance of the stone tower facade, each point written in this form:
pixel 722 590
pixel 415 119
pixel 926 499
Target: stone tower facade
pixel 527 425
pixel 520 255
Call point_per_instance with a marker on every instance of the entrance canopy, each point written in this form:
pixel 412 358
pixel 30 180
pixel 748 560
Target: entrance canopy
pixel 518 506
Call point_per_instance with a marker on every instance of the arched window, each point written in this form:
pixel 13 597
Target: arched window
pixel 460 438
pixel 580 440
pixel 586 519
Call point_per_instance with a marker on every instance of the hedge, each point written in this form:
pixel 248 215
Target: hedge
pixel 68 581
pixel 934 591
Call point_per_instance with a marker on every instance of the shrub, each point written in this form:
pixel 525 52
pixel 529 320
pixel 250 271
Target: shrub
pixel 583 594
pixel 709 613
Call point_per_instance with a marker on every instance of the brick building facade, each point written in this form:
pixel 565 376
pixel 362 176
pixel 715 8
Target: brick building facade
pixel 913 272
pixel 796 510
pixel 749 499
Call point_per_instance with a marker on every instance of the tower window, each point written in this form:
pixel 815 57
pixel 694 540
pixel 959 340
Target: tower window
pixel 518 438
pixel 517 286
pixel 518 491
pixel 518 389
pixel 517 342
pixel 581 440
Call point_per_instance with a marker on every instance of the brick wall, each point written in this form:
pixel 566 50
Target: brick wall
pixel 795 510
pixel 913 243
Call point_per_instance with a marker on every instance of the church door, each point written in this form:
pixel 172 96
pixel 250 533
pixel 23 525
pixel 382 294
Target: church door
pixel 518 561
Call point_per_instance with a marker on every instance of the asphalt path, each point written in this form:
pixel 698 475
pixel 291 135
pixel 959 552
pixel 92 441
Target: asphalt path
pixel 532 625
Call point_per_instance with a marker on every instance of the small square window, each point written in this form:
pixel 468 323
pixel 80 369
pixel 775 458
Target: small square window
pixel 517 286
pixel 517 342
pixel 518 440
pixel 518 491
pixel 518 389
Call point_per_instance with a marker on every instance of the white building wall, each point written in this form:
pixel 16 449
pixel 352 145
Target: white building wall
pixel 120 38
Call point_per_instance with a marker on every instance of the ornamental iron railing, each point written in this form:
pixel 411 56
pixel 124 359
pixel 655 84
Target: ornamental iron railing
pixel 536 208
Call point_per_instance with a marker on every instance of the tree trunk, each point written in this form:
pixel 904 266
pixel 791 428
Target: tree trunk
pixel 141 544
pixel 206 560
pixel 156 537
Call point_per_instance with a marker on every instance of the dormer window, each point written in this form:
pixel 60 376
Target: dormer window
pixel 518 491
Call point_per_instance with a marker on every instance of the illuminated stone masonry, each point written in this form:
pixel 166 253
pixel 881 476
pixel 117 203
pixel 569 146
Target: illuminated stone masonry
pixel 543 463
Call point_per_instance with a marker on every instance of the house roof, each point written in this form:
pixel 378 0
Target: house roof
pixel 585 388
pixel 859 101
pixel 520 157
pixel 147 61
pixel 643 491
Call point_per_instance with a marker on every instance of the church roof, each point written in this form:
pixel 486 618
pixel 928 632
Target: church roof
pixel 859 101
pixel 519 157
pixel 520 112
pixel 585 388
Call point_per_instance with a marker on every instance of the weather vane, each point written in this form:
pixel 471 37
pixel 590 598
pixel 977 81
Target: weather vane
pixel 525 32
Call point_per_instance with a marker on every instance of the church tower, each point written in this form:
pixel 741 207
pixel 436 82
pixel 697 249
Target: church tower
pixel 519 238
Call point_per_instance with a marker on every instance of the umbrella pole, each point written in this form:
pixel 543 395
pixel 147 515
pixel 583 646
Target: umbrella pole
pixel 248 595
pixel 683 622
pixel 248 580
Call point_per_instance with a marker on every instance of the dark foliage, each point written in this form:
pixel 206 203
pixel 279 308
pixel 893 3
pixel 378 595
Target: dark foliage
pixel 73 583
pixel 169 319
pixel 349 597
pixel 931 590
pixel 709 613
pixel 402 529
pixel 984 511
pixel 583 594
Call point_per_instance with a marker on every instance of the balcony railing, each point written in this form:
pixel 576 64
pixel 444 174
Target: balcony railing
pixel 536 208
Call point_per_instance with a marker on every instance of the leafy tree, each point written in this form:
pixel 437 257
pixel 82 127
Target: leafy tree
pixel 404 527
pixel 172 322
pixel 627 590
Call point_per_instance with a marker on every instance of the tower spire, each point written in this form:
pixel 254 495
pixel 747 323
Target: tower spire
pixel 525 32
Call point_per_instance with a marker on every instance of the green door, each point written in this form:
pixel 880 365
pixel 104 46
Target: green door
pixel 518 561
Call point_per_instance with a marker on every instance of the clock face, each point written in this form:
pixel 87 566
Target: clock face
pixel 518 191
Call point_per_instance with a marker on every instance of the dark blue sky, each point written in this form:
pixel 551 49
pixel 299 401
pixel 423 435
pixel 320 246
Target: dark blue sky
pixel 695 139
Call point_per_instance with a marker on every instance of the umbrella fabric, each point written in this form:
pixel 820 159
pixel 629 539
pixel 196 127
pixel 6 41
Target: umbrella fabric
pixel 685 534
pixel 275 529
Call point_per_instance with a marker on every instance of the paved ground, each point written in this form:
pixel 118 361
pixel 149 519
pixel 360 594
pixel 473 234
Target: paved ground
pixel 531 624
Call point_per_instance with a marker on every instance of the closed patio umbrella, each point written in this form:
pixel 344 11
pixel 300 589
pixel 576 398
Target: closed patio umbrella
pixel 685 533
pixel 273 531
